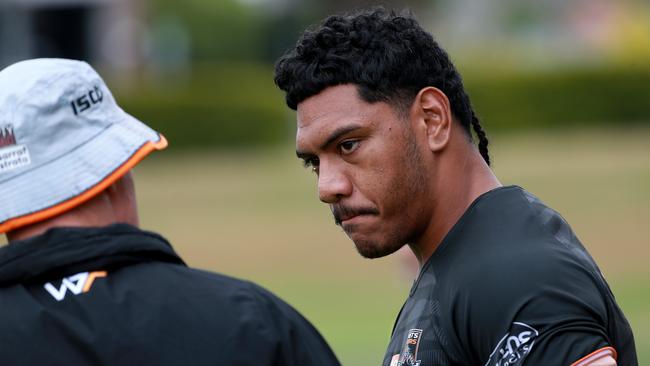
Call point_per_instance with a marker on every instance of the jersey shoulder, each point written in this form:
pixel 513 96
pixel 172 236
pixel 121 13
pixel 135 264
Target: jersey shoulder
pixel 509 235
pixel 519 270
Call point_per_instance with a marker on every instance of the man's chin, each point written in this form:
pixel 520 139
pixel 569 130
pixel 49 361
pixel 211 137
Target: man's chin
pixel 372 250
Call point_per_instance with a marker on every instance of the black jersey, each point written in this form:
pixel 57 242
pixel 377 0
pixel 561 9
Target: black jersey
pixel 509 285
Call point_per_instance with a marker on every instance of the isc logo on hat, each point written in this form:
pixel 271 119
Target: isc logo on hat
pixel 84 102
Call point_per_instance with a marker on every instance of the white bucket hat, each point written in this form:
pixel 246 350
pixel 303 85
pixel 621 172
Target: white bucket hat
pixel 63 139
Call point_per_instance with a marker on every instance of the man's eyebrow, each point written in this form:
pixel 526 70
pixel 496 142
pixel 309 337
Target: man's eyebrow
pixel 335 135
pixel 304 155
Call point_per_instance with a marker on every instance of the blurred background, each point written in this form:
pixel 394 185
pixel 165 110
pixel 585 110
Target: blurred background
pixel 562 87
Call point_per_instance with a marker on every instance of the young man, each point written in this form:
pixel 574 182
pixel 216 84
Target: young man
pixel 80 283
pixel 385 123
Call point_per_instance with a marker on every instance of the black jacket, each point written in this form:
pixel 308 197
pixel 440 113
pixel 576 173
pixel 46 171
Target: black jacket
pixel 121 296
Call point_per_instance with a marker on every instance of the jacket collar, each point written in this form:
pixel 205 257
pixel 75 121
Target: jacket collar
pixel 65 251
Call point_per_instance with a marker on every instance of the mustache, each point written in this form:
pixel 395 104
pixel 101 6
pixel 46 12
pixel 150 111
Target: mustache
pixel 342 212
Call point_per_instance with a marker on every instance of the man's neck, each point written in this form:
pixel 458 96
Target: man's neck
pixel 40 228
pixel 453 195
pixel 99 211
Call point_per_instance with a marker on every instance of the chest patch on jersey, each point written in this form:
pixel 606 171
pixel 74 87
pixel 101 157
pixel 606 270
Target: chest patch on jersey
pixel 409 354
pixel 514 346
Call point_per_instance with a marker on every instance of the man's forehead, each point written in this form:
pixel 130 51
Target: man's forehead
pixel 331 103
pixel 327 119
pixel 318 129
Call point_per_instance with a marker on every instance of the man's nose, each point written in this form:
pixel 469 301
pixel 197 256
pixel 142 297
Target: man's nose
pixel 333 184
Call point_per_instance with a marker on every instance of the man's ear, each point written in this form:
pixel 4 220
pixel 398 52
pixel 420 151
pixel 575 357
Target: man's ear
pixel 122 196
pixel 432 110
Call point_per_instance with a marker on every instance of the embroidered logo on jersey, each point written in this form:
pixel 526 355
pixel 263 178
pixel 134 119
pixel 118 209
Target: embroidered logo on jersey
pixel 12 155
pixel 77 284
pixel 514 346
pixel 409 354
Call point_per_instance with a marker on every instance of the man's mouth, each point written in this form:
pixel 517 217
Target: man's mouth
pixel 343 213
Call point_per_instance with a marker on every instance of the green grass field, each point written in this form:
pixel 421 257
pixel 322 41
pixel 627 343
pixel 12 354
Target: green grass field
pixel 255 215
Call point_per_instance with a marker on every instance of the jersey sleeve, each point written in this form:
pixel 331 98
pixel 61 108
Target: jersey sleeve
pixel 534 312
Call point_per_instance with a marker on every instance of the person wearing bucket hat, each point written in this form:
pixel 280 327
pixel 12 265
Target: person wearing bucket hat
pixel 80 283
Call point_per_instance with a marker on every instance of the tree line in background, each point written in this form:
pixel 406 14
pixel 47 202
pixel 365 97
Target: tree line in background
pixel 228 98
pixel 238 105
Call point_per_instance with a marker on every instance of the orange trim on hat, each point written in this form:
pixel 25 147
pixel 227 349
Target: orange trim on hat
pixel 91 192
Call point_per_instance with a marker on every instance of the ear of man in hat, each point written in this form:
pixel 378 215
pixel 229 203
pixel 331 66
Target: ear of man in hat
pixel 79 276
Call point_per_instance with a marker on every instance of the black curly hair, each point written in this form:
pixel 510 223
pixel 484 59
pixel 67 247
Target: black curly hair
pixel 388 56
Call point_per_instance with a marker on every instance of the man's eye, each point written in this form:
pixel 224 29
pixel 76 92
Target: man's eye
pixel 312 163
pixel 349 146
